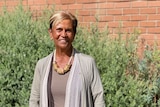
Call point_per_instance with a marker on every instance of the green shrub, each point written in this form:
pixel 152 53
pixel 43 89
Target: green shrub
pixel 22 42
pixel 149 71
pixel 128 81
pixel 123 80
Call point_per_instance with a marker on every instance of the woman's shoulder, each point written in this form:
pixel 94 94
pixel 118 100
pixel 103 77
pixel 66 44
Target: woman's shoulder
pixel 84 57
pixel 45 59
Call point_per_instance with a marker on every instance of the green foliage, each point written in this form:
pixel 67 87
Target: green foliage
pixel 123 73
pixel 128 81
pixel 150 73
pixel 22 42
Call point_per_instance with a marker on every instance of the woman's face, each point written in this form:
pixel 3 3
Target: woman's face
pixel 62 34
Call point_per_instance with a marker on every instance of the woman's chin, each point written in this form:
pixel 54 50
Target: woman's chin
pixel 64 46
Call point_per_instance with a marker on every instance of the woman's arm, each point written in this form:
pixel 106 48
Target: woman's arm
pixel 97 88
pixel 34 100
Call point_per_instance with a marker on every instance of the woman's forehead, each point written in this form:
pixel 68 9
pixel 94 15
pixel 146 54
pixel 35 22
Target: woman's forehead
pixel 64 21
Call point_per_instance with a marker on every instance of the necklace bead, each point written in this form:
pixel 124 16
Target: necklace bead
pixel 66 67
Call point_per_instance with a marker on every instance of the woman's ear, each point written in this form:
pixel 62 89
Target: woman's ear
pixel 50 33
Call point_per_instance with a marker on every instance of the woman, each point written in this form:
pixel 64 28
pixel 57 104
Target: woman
pixel 66 78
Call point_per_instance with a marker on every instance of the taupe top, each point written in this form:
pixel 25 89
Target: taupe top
pixel 58 88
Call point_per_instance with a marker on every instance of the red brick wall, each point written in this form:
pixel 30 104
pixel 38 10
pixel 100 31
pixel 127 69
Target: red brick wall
pixel 141 14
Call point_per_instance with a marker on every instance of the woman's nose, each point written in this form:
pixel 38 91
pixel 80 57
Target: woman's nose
pixel 64 34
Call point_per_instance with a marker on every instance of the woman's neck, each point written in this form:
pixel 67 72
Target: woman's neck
pixel 63 55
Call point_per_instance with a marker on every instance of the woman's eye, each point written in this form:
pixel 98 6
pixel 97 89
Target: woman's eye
pixel 58 30
pixel 68 31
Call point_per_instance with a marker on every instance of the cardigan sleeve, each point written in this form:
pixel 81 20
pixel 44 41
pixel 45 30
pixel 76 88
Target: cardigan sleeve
pixel 35 90
pixel 97 88
pixel 93 84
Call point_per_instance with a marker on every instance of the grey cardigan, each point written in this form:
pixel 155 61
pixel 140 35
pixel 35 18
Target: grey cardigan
pixel 91 91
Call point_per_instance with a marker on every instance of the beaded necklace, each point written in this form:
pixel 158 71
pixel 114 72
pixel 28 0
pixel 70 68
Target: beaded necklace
pixel 67 66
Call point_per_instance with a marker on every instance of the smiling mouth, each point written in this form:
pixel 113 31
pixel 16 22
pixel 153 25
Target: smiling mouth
pixel 63 40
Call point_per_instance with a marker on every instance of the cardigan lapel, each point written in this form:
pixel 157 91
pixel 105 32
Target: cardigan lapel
pixel 44 97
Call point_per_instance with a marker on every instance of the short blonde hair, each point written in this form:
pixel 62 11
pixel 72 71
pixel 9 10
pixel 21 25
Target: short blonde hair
pixel 62 15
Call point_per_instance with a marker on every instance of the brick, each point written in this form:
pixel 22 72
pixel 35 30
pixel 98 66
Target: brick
pixel 101 12
pixel 106 5
pixel 113 24
pixel 44 7
pixel 138 17
pixel 67 1
pixel 93 12
pixel 35 7
pixel 61 7
pixel 12 3
pixel 2 3
pixel 51 7
pixel 87 1
pixel 122 30
pixel 114 12
pixel 130 24
pixel 102 24
pixel 157 37
pixel 131 30
pixel 30 2
pixel 24 2
pixel 150 42
pixel 158 24
pixel 117 0
pixel 109 5
pixel 101 5
pixel 56 2
pixel 90 6
pixel 72 11
pixel 147 36
pixel 83 12
pixel 142 30
pixel 130 11
pixel 147 10
pixel 105 18
pixel 154 30
pixel 123 5
pixel 80 18
pixel 87 12
pixel 158 12
pixel 75 6
pixel 140 4
pixel 39 2
pixel 89 19
pixel 154 17
pixel 84 24
pixel 154 3
pixel 99 1
pixel 147 24
pixel 122 18
pixel 151 36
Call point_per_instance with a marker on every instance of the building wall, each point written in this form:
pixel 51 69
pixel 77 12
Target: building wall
pixel 130 14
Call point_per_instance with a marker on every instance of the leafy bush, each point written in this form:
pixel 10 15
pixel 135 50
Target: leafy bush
pixel 23 41
pixel 125 82
pixel 128 81
pixel 112 59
